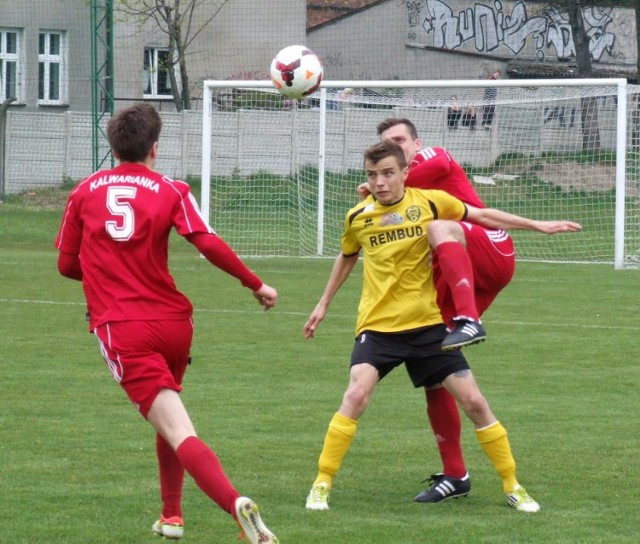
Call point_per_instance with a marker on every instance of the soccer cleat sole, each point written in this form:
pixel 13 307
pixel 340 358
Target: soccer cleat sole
pixel 254 529
pixel 464 344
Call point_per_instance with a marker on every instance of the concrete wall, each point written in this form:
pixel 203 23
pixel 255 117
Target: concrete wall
pixel 43 149
pixel 458 39
pixel 522 30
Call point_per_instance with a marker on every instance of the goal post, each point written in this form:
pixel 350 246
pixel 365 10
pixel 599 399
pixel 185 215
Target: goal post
pixel 278 175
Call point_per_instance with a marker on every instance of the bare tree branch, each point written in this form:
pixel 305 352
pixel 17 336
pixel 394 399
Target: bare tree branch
pixel 182 25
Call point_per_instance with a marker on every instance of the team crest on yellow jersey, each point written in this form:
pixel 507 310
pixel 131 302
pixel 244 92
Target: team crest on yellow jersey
pixel 413 213
pixel 391 219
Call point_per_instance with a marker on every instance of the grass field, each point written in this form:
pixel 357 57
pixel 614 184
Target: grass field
pixel 560 369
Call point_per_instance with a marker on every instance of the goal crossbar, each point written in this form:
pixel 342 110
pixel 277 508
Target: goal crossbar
pixel 323 114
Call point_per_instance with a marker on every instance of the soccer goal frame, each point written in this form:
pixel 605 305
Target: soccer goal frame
pixel 322 103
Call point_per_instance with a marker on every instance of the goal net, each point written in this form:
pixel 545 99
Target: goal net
pixel 278 175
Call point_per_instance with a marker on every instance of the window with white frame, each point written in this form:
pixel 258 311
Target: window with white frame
pixel 51 68
pixel 156 76
pixel 10 68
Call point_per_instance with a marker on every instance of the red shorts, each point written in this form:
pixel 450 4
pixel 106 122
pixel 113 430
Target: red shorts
pixel 146 356
pixel 493 261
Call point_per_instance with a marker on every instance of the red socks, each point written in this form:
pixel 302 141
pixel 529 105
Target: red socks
pixel 457 272
pixel 205 468
pixel 171 479
pixel 445 421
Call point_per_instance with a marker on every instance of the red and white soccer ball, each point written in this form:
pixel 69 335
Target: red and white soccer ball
pixel 296 71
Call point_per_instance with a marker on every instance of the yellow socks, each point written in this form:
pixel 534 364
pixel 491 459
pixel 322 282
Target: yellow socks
pixel 495 444
pixel 337 442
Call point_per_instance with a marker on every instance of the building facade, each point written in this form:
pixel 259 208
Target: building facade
pixel 45 49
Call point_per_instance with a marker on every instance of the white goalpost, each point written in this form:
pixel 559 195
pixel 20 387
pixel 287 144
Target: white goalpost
pixel 278 175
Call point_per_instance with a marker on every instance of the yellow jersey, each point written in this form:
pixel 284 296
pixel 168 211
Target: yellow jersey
pixel 397 291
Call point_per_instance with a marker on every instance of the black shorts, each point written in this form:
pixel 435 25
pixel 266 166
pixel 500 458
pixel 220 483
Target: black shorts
pixel 420 350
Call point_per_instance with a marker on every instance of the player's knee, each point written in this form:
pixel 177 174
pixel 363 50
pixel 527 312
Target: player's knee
pixel 356 399
pixel 440 231
pixel 475 406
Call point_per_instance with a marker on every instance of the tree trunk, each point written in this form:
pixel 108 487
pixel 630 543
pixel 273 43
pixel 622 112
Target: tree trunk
pixel 588 105
pixel 637 41
pixel 173 27
pixel 184 78
pixel 184 75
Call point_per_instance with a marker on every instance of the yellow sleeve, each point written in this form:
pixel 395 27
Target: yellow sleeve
pixel 446 206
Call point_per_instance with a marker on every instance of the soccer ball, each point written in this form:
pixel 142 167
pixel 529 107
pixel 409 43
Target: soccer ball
pixel 296 71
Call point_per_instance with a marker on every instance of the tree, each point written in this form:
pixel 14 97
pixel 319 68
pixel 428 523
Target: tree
pixel 182 22
pixel 588 105
pixel 637 8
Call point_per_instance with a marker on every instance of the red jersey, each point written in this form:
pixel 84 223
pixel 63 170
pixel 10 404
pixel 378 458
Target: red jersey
pixel 434 168
pixel 118 223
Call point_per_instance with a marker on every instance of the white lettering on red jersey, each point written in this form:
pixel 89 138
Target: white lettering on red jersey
pixel 118 222
pixel 435 168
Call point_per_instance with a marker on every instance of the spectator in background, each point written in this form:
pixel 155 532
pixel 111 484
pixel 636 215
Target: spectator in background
pixel 469 118
pixel 454 112
pixel 489 109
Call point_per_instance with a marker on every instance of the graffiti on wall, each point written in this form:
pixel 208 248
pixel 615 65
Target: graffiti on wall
pixel 491 29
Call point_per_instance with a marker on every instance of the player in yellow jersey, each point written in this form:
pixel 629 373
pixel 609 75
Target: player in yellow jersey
pixel 398 317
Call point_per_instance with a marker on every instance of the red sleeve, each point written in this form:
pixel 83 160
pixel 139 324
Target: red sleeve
pixel 69 266
pixel 428 166
pixel 219 254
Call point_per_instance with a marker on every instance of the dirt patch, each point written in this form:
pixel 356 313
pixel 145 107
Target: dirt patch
pixel 573 176
pixel 569 175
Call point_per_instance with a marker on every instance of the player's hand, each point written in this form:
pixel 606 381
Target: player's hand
pixel 555 227
pixel 266 296
pixel 314 321
pixel 363 190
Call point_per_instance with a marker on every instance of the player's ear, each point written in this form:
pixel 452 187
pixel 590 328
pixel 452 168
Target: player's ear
pixel 153 152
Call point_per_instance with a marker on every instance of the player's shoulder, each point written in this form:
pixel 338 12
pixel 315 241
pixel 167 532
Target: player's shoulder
pixel 417 192
pixel 363 206
pixel 429 154
pixel 427 196
pixel 177 185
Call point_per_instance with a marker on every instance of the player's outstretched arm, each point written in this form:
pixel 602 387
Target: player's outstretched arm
pixel 342 267
pixel 218 253
pixel 497 219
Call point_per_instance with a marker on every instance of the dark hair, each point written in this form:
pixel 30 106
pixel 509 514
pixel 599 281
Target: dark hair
pixel 133 131
pixel 393 121
pixel 384 149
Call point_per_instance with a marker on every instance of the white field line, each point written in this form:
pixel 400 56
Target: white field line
pixel 350 317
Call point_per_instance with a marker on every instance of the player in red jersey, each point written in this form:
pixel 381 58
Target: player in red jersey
pixel 471 265
pixel 114 238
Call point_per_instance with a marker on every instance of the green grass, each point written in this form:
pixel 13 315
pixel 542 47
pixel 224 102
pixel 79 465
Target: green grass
pixel 265 214
pixel 559 369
